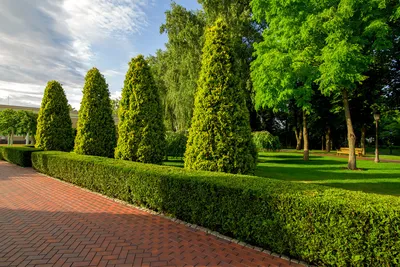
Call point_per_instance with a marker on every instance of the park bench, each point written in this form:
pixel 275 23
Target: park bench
pixel 346 150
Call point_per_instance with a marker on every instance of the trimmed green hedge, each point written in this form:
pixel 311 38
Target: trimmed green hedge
pixel 320 225
pixel 17 155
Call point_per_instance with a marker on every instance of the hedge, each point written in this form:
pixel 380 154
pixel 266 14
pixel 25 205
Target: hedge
pixel 320 225
pixel 265 141
pixel 175 144
pixel 17 155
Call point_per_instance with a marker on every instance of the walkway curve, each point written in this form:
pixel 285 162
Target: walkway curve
pixel 45 222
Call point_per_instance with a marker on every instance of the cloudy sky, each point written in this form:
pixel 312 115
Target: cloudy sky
pixel 42 40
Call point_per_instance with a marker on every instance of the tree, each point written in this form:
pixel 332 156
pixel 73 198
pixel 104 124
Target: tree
pixel 283 74
pixel 54 126
pixel 220 135
pixel 96 126
pixel 141 129
pixel 115 105
pixel 339 39
pixel 8 124
pixel 179 65
pixel 243 33
pixel 27 125
pixel 71 108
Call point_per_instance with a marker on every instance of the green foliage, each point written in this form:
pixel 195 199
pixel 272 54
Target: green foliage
pixel 8 122
pixel 176 144
pixel 17 155
pixel 176 70
pixel 115 106
pixel 27 122
pixel 265 141
pixel 54 126
pixel 220 135
pixel 141 132
pixel 243 33
pixel 314 223
pixel 96 126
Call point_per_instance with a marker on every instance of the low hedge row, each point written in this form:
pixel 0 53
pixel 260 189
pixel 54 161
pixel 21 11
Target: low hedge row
pixel 17 155
pixel 317 224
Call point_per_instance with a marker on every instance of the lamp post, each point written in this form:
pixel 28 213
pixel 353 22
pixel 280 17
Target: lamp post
pixel 377 117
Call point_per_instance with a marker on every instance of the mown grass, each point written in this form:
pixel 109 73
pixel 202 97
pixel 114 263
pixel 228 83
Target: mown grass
pixel 382 178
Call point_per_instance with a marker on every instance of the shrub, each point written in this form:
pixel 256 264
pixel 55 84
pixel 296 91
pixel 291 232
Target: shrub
pixel 17 155
pixel 54 127
pixel 314 223
pixel 176 144
pixel 141 131
pixel 220 134
pixel 96 126
pixel 265 141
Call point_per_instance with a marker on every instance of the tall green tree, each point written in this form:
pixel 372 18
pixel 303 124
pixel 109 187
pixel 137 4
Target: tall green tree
pixel 141 131
pixel 54 127
pixel 283 73
pixel 8 124
pixel 243 33
pixel 179 65
pixel 96 126
pixel 27 125
pixel 339 39
pixel 220 134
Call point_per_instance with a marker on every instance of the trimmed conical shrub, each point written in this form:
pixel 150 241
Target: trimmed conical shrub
pixel 54 127
pixel 96 127
pixel 141 131
pixel 220 135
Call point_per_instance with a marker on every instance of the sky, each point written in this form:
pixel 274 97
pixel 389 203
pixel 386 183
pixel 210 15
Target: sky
pixel 43 40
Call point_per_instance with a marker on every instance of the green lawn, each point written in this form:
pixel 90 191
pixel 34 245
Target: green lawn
pixel 383 153
pixel 382 178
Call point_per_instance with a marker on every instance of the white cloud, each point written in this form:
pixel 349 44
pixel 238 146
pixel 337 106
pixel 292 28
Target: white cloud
pixel 42 40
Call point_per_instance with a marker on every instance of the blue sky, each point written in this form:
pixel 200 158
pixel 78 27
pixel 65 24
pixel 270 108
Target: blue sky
pixel 42 40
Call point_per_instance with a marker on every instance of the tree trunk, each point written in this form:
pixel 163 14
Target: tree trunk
pixel 351 137
pixel 322 142
pixel 11 142
pixel 299 137
pixel 306 155
pixel 376 143
pixel 27 139
pixel 328 144
pixel 33 140
pixel 363 134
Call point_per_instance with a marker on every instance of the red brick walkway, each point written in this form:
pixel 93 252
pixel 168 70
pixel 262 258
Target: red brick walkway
pixel 44 222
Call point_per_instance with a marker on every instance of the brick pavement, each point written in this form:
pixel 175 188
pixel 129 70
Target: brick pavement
pixel 44 222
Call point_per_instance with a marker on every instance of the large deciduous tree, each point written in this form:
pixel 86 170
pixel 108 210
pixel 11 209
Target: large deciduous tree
pixel 178 67
pixel 96 126
pixel 220 134
pixel 8 124
pixel 27 125
pixel 141 131
pixel 54 127
pixel 339 39
pixel 284 71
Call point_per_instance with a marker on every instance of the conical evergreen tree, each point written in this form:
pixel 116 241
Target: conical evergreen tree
pixel 141 131
pixel 220 134
pixel 96 127
pixel 54 127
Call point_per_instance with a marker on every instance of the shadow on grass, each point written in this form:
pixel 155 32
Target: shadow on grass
pixel 364 180
pixel 302 162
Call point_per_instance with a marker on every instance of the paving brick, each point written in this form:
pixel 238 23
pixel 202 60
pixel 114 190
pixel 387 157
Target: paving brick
pixel 50 223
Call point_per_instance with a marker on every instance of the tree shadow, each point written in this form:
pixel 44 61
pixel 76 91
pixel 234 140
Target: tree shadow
pixel 363 180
